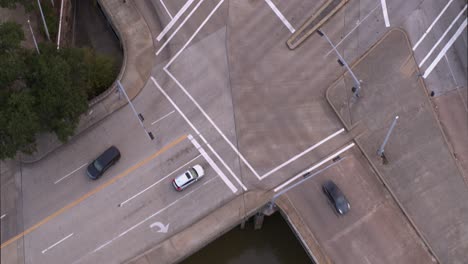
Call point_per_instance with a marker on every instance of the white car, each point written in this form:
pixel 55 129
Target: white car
pixel 190 176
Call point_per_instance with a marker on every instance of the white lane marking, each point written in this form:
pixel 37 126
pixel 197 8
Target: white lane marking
pixel 163 117
pixel 225 165
pixel 165 8
pixel 314 167
pixel 154 184
pixel 149 217
pixel 432 25
pixel 442 37
pixel 194 34
pixel 303 153
pixel 352 30
pixel 174 20
pixel 212 164
pixel 60 241
pixel 180 26
pixel 444 50
pixel 280 16
pixel 59 180
pixel 102 246
pixel 1 217
pixel 198 133
pixel 385 13
pixel 214 125
pixel 174 105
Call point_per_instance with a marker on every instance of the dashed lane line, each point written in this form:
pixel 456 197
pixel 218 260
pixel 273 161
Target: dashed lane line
pixel 94 191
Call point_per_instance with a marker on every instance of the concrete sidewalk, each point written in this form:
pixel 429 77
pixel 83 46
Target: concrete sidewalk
pixel 138 61
pixel 421 173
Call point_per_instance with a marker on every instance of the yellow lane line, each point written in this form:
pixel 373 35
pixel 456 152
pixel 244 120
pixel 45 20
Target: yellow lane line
pixel 94 191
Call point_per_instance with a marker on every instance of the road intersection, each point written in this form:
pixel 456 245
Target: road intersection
pixel 230 97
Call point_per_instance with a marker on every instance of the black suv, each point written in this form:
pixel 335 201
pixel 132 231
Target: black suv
pixel 336 197
pixel 103 162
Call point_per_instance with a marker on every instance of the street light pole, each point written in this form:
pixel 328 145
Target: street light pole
pixel 60 25
pixel 43 20
pixel 139 116
pixel 34 38
pixel 357 83
pixel 380 151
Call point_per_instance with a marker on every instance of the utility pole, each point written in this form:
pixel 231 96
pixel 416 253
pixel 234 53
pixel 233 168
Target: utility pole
pixel 357 84
pixel 43 20
pixel 381 151
pixel 139 116
pixel 34 38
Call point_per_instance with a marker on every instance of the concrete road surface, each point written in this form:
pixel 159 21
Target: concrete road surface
pixel 227 93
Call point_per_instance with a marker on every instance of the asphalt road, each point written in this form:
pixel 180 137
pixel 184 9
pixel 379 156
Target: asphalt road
pixel 256 109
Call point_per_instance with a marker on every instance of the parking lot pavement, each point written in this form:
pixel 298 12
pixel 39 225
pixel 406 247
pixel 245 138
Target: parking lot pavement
pixel 421 171
pixel 373 231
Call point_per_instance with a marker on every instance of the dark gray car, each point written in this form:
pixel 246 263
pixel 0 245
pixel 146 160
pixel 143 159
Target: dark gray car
pixel 336 197
pixel 103 162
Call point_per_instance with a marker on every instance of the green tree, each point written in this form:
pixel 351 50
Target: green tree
pixel 18 123
pixel 59 102
pixel 11 68
pixel 102 73
pixel 11 54
pixel 28 4
pixel 11 36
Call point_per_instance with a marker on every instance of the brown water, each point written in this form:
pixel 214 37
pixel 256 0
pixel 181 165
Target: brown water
pixel 275 243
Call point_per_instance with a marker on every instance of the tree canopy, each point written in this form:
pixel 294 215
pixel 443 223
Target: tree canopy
pixel 45 92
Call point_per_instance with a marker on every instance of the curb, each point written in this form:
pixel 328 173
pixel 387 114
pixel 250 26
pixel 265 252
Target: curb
pixel 361 149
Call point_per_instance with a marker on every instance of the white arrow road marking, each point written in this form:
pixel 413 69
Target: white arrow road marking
pixel 162 228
